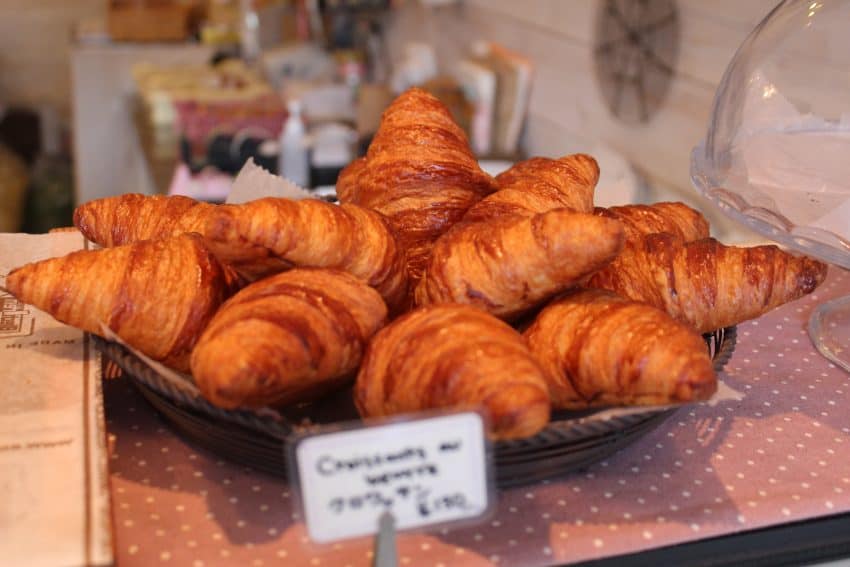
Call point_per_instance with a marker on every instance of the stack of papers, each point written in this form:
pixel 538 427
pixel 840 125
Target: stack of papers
pixel 53 473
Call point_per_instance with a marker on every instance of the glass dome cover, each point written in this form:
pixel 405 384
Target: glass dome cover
pixel 777 153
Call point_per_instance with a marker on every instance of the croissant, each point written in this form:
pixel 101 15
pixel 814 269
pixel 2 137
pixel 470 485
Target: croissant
pixel 419 172
pixel 157 295
pixel 123 219
pixel 454 356
pixel 511 264
pixel 538 185
pixel 314 233
pixel 597 348
pixel 709 285
pixel 676 218
pixel 346 184
pixel 286 338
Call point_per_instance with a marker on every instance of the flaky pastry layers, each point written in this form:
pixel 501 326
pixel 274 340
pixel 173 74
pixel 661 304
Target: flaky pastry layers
pixel 123 219
pixel 454 356
pixel 287 338
pixel 128 218
pixel 599 349
pixel 157 295
pixel 672 217
pixel 706 284
pixel 418 171
pixel 511 264
pixel 538 185
pixel 313 233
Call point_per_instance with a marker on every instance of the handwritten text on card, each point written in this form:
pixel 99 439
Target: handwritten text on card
pixel 424 471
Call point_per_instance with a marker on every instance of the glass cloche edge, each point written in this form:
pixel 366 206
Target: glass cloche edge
pixel 809 240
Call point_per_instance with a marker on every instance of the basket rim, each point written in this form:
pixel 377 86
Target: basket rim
pixel 563 428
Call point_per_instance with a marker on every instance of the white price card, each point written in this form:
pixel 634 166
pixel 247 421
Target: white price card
pixel 424 472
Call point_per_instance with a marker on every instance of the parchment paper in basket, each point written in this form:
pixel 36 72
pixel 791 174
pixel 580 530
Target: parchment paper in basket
pixel 253 182
pixel 724 393
pixel 179 380
pixel 185 383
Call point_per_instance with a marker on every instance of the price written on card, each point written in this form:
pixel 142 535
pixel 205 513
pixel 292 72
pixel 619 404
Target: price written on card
pixel 424 471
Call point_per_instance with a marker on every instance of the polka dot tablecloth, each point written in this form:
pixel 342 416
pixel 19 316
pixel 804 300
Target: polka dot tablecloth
pixel 776 455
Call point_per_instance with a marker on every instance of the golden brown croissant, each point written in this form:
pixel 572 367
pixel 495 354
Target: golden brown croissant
pixel 346 184
pixel 707 284
pixel 510 264
pixel 157 295
pixel 538 185
pixel 313 233
pixel 123 219
pixel 419 172
pixel 286 338
pixel 113 221
pixel 597 348
pixel 675 218
pixel 454 356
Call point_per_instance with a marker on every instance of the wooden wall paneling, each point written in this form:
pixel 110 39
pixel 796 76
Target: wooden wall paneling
pixel 573 20
pixel 565 91
pixel 711 31
pixel 733 12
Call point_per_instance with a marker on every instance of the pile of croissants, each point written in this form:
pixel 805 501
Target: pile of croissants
pixel 432 285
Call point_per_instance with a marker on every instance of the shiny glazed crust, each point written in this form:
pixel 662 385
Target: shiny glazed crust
pixel 599 349
pixel 419 172
pixel 124 219
pixel 511 264
pixel 676 218
pixel 454 356
pixel 706 284
pixel 538 185
pixel 157 295
pixel 287 338
pixel 313 233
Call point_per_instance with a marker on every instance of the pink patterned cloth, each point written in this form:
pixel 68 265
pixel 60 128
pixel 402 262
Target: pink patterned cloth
pixel 777 455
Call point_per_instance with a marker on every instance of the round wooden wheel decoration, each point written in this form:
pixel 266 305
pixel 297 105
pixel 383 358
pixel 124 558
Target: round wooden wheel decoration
pixel 637 43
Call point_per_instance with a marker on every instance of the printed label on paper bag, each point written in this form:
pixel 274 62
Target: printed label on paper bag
pixel 425 472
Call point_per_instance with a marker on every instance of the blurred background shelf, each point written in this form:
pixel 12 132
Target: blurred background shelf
pixel 109 148
pixel 61 55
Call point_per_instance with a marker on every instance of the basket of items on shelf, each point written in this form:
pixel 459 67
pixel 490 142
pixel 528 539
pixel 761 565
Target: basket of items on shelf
pixel 432 285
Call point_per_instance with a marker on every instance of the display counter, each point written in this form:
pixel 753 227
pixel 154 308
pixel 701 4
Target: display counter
pixel 723 483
